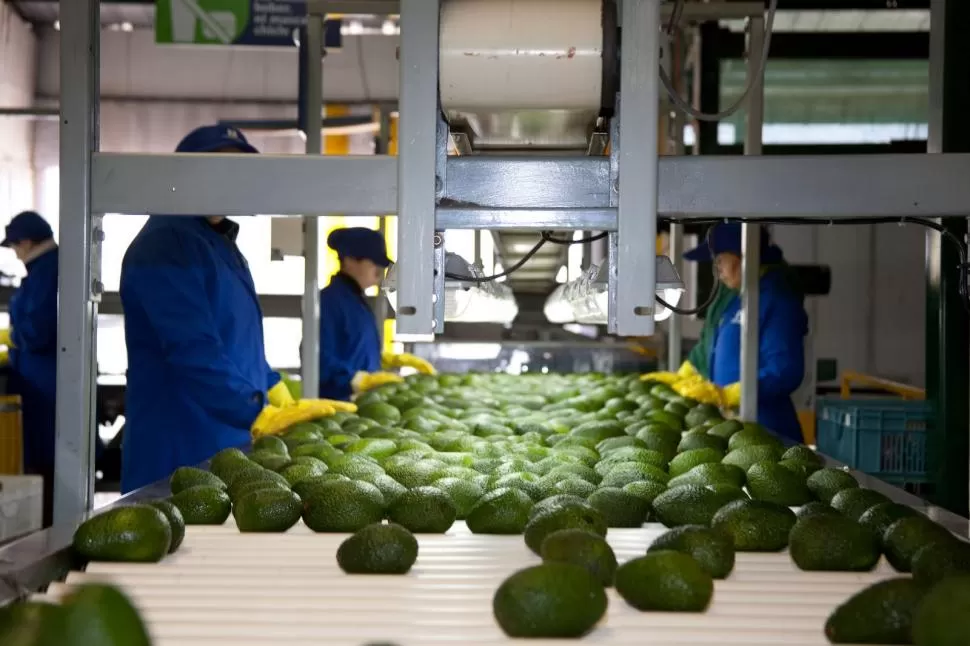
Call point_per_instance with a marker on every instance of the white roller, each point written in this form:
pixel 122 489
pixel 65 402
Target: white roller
pixel 526 72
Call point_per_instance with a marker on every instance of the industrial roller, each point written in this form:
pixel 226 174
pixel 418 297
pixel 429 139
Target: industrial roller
pixel 528 74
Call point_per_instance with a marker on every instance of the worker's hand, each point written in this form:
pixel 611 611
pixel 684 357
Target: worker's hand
pixel 279 396
pixel 663 377
pixel 4 358
pixel 699 389
pixel 338 406
pixel 6 337
pixel 732 395
pixel 686 370
pixel 389 361
pixel 273 420
pixel 364 381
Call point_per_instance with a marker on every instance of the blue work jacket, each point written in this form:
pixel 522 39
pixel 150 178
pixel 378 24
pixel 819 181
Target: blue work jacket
pixel 33 360
pixel 782 326
pixel 197 371
pixel 349 338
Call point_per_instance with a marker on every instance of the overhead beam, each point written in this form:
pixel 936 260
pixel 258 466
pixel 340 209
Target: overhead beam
pixel 690 187
pixel 833 45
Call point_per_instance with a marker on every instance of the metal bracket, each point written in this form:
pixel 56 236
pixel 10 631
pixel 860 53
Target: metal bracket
pixel 94 262
pixel 439 282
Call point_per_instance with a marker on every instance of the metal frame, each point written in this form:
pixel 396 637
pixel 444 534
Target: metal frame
pixel 495 193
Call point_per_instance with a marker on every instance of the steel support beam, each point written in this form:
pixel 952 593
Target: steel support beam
pixel 825 45
pixel 78 283
pixel 690 187
pixel 311 48
pixel 947 346
pixel 751 234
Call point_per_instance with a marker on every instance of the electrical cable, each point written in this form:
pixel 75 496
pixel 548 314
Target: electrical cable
pixel 692 112
pixel 546 236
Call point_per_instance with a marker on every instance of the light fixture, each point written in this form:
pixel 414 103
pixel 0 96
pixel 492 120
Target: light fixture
pixel 389 28
pixel 588 295
pixel 466 301
pixel 557 309
pixel 562 276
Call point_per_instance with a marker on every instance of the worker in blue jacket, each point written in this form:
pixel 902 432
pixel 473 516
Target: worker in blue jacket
pixel 351 360
pixel 31 340
pixel 782 326
pixel 198 380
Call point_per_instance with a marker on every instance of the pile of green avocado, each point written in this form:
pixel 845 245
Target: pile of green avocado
pixel 560 459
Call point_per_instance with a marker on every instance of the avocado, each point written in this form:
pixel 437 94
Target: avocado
pixel 801 453
pixel 463 494
pixel 647 490
pixel 800 468
pixel 295 473
pixel 880 516
pixel 424 510
pixel 136 533
pixel 771 482
pixel 747 456
pixel 32 623
pixel 242 484
pixel 203 505
pixel 570 516
pixel 833 544
pixel 598 430
pixel 702 413
pixel 710 474
pixel 905 537
pixel 754 437
pixel 271 444
pixel 936 561
pixel 390 488
pixel 666 581
pixel 97 614
pixel 684 462
pixel 573 487
pixel 626 472
pixel 243 489
pixel 755 525
pixel 713 550
pixel 580 547
pixel 224 462
pixel 609 445
pixel 660 438
pixel 342 506
pixel 943 616
pixel 552 600
pixel 175 521
pixel 267 510
pixel 555 502
pixel 303 488
pixel 378 549
pixel 726 429
pixel 270 460
pixel 630 454
pixel 816 508
pixel 502 511
pixel 879 614
pixel 855 502
pixel 619 508
pixel 380 412
pixel 185 477
pixel 702 440
pixel 827 482
pixel 691 504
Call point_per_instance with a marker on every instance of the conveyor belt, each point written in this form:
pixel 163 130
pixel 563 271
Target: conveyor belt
pixel 223 588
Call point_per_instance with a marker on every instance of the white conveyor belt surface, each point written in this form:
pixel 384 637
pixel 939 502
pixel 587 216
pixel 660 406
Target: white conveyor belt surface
pixel 224 588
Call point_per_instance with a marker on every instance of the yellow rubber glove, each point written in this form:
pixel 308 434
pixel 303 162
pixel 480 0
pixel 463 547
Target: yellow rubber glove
pixel 662 377
pixel 732 395
pixel 279 396
pixel 389 361
pixel 364 381
pixel 273 420
pixel 4 358
pixel 6 337
pixel 338 406
pixel 687 369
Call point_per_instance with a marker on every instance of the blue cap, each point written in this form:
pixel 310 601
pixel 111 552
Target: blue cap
pixel 207 139
pixel 723 238
pixel 359 242
pixel 27 226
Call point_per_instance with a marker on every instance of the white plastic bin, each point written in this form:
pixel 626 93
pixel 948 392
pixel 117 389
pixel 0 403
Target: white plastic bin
pixel 21 505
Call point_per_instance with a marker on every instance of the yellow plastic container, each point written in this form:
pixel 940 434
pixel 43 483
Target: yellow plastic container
pixel 11 435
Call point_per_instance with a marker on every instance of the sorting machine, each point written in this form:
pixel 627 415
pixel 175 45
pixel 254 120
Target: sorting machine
pixel 553 107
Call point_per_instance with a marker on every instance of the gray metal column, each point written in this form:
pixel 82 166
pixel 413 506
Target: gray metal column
pixel 310 349
pixel 751 235
pixel 78 282
pixel 382 148
pixel 417 173
pixel 638 164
